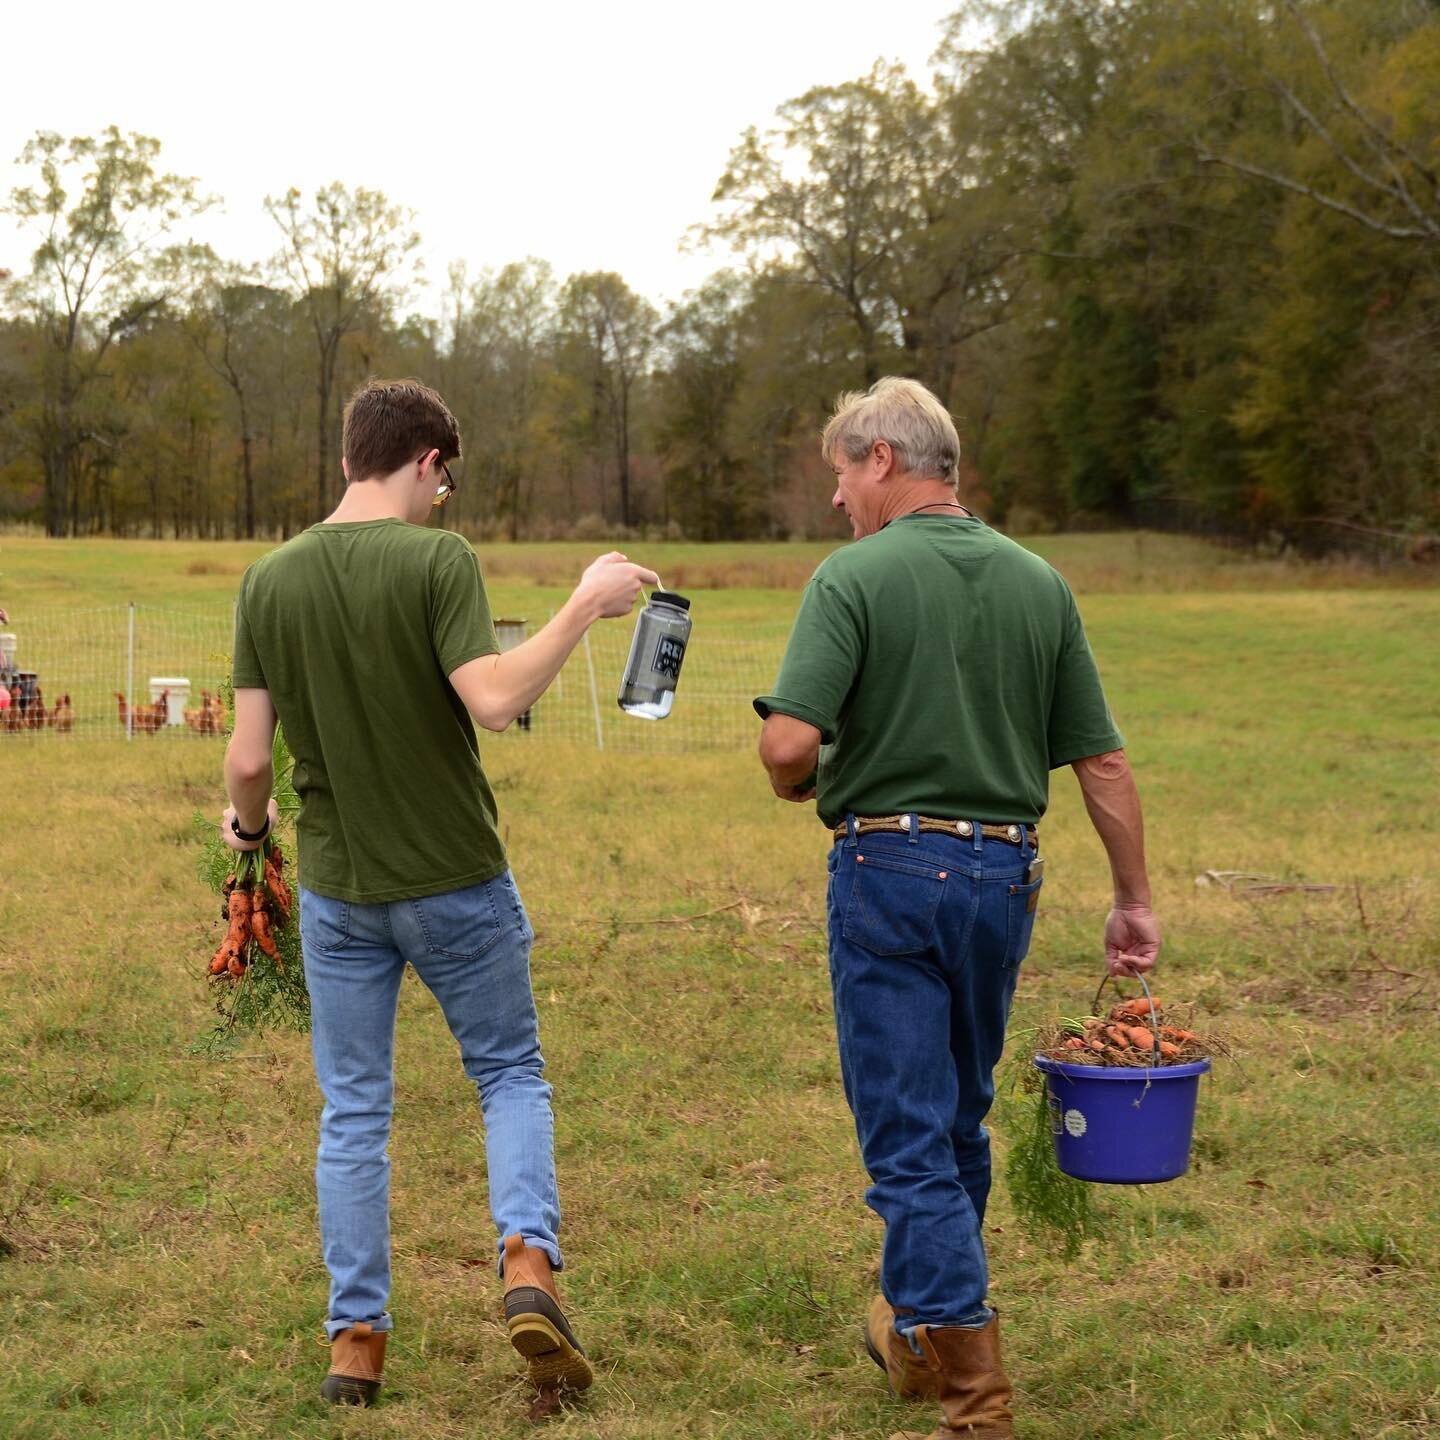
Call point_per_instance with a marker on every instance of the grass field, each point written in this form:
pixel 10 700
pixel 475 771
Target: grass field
pixel 159 1267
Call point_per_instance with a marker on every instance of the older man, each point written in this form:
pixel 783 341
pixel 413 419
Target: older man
pixel 937 672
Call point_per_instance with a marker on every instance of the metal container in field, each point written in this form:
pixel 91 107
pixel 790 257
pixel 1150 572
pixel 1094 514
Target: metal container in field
pixel 511 633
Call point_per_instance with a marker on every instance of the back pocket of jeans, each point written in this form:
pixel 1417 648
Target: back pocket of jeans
pixel 460 924
pixel 1022 903
pixel 324 922
pixel 892 904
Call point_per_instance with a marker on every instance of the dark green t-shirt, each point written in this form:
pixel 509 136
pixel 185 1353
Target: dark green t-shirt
pixel 947 671
pixel 353 629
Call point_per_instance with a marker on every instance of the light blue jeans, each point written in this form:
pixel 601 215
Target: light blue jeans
pixel 471 947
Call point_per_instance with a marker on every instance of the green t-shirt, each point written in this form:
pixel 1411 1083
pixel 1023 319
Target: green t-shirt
pixel 353 629
pixel 947 671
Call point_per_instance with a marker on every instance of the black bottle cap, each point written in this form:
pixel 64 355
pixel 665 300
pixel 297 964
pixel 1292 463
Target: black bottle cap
pixel 669 597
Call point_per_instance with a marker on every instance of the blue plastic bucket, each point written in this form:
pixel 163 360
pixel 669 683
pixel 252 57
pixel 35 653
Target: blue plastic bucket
pixel 1122 1126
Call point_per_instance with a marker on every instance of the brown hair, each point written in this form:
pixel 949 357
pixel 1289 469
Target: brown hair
pixel 389 423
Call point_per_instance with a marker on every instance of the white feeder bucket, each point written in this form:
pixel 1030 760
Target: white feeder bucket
pixel 179 697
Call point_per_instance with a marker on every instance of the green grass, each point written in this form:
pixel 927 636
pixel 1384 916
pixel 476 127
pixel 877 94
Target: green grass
pixel 159 1266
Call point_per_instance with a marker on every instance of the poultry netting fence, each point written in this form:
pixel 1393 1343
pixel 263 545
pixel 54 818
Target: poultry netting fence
pixel 157 675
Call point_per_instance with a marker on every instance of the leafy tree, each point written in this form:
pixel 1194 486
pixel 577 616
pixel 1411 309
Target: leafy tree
pixel 101 209
pixel 605 336
pixel 339 257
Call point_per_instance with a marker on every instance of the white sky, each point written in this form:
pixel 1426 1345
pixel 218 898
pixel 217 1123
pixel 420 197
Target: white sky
pixel 590 135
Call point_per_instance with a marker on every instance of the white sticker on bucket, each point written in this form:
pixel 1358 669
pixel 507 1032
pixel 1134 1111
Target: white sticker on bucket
pixel 1075 1123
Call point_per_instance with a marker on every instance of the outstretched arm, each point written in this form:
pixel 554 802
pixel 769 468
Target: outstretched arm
pixel 497 689
pixel 1132 933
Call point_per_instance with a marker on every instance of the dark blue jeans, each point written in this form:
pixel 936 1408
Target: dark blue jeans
pixel 927 932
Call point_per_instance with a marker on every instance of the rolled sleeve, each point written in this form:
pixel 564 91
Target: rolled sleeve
pixel 822 658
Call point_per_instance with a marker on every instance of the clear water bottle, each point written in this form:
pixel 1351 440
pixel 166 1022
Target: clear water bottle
pixel 656 653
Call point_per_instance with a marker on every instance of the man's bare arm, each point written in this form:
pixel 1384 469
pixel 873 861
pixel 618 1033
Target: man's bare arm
pixel 1132 934
pixel 789 751
pixel 497 689
pixel 249 767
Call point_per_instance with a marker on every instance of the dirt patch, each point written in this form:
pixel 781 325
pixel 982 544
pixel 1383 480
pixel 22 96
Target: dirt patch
pixel 1335 994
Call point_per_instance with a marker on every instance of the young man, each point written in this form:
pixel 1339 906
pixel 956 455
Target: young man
pixel 370 638
pixel 946 672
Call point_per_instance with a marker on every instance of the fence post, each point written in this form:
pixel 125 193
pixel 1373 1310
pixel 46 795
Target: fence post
pixel 130 677
pixel 594 695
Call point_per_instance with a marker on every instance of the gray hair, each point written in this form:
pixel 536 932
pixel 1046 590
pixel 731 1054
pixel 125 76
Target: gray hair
pixel 905 415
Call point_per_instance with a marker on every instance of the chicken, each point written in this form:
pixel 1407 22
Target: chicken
pixel 62 717
pixel 215 711
pixel 35 715
pixel 144 719
pixel 195 715
pixel 13 719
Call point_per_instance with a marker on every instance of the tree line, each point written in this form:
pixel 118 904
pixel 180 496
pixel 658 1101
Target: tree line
pixel 1147 251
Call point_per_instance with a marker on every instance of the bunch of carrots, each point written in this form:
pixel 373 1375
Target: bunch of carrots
pixel 1125 1036
pixel 256 900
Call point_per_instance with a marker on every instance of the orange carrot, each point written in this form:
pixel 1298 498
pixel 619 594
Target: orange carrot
pixel 1074 1043
pixel 260 929
pixel 1169 1048
pixel 279 890
pixel 1137 1009
pixel 1098 1046
pixel 239 931
pixel 1141 1037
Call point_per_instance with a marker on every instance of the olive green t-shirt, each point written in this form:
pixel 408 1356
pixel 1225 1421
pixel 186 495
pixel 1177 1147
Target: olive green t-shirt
pixel 353 629
pixel 947 671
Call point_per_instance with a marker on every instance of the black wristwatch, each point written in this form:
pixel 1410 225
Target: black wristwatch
pixel 240 834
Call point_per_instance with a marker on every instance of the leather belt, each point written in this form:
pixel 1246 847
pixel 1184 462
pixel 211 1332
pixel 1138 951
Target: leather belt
pixel 965 829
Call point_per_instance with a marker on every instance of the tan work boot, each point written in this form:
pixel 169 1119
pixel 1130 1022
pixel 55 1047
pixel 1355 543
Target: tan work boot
pixel 910 1375
pixel 357 1357
pixel 538 1328
pixel 974 1391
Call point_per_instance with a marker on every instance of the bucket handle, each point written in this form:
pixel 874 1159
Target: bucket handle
pixel 1154 1015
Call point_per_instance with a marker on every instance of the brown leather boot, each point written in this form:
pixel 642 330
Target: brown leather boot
pixel 538 1328
pixel 910 1375
pixel 974 1391
pixel 357 1356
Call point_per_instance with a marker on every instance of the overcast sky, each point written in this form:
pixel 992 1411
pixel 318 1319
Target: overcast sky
pixel 590 135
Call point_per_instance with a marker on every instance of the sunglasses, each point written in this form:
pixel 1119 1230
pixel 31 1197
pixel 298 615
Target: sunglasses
pixel 446 490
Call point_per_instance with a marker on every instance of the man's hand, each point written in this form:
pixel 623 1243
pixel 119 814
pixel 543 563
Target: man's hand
pixel 1132 939
pixel 611 584
pixel 800 793
pixel 227 830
